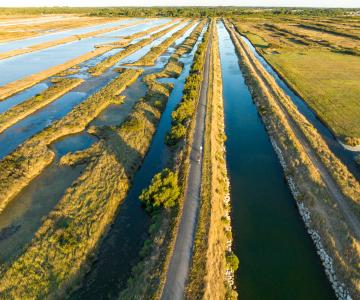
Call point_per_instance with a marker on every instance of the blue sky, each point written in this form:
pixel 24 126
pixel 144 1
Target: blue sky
pixel 301 3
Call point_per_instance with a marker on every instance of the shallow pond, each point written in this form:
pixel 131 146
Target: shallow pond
pixel 23 65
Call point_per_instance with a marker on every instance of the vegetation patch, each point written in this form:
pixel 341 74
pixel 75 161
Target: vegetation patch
pixel 24 109
pixel 112 60
pixel 57 256
pixel 155 52
pixel 29 159
pixel 148 277
pixel 162 192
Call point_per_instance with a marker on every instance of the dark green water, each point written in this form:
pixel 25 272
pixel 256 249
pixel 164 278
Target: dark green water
pixel 277 257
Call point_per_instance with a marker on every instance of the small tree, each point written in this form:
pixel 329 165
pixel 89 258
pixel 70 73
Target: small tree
pixel 176 133
pixel 163 190
pixel 232 261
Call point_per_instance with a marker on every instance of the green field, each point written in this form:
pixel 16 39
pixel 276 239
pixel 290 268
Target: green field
pixel 323 67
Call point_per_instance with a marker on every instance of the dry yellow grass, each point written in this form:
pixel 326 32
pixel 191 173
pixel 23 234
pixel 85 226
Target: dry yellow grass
pixel 29 159
pixel 155 52
pixel 322 67
pixel 24 109
pixel 57 256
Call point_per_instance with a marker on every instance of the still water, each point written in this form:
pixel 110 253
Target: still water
pixel 277 257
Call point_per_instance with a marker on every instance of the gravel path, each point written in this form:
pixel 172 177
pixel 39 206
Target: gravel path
pixel 180 261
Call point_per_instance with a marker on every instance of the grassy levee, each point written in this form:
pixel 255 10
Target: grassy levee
pixel 326 224
pixel 155 52
pixel 148 276
pixel 140 34
pixel 14 87
pixel 68 238
pixel 29 159
pixel 332 63
pixel 208 276
pixel 112 60
pixel 24 109
pixel 24 83
pixel 65 40
pixel 349 186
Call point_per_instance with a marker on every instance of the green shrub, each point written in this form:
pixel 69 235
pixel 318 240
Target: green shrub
pixel 163 191
pixel 176 133
pixel 232 260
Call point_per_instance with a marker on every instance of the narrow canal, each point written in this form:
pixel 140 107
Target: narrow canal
pixel 277 257
pixel 346 156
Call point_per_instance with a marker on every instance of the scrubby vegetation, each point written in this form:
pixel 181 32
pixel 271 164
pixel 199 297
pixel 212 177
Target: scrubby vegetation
pixel 29 159
pixel 186 109
pixel 131 48
pixel 148 276
pixel 57 256
pixel 162 192
pixel 194 11
pixel 155 52
pixel 210 275
pixel 22 110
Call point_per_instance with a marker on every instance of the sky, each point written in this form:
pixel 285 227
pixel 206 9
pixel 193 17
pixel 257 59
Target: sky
pixel 299 3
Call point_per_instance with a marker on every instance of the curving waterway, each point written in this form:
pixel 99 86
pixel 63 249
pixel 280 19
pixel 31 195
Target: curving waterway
pixel 277 257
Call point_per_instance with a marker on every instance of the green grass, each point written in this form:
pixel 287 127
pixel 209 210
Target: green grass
pixel 328 82
pixel 322 69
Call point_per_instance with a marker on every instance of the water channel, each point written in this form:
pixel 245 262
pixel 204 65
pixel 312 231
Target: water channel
pixel 23 216
pixel 277 257
pixel 119 251
pixel 27 127
pixel 346 156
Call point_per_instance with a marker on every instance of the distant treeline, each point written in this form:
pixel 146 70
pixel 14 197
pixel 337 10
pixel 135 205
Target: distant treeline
pixel 178 11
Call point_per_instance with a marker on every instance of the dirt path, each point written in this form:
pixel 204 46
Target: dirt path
pixel 332 186
pixel 180 261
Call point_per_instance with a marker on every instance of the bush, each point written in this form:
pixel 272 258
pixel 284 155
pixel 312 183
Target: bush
pixel 163 191
pixel 232 260
pixel 176 133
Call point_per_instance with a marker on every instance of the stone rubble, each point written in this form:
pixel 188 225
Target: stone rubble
pixel 340 289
